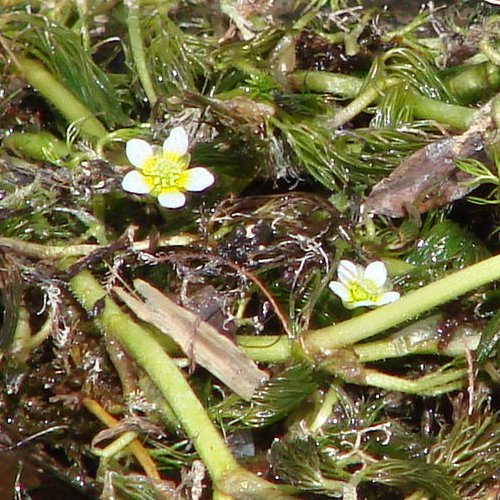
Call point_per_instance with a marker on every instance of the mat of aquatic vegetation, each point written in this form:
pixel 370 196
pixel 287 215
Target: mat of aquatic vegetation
pixel 249 249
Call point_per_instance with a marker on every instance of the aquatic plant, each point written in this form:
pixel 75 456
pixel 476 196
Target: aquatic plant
pixel 200 352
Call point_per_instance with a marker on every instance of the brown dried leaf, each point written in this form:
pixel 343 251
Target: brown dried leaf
pixel 429 178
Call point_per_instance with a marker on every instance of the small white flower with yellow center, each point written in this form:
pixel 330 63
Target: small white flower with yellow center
pixel 164 173
pixel 358 286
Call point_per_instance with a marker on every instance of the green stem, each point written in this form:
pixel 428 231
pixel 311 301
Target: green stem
pixel 324 413
pixel 37 75
pixel 59 252
pixel 322 81
pixel 362 327
pixel 458 117
pixel 369 95
pixel 430 385
pixel 421 337
pixel 393 348
pixel 475 83
pixel 37 146
pixel 348 86
pixel 266 348
pixel 143 347
pixel 138 52
pixel 118 445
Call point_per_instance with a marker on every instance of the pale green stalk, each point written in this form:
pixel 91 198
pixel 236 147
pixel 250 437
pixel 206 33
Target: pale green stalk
pixel 458 117
pixel 407 307
pixel 368 96
pixel 324 413
pixel 138 52
pixel 429 385
pixel 267 348
pixel 143 347
pixel 37 75
pixel 118 445
pixel 475 82
pixel 148 354
pixel 58 252
pixel 420 338
pixel 348 86
pixel 324 81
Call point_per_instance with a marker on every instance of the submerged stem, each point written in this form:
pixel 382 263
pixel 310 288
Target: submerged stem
pixel 134 33
pixel 143 347
pixel 349 86
pixel 40 251
pixel 136 446
pixel 458 117
pixel 37 75
pixel 324 81
pixel 369 95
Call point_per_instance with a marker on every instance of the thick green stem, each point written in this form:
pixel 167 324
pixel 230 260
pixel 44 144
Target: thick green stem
pixel 39 251
pixel 37 75
pixel 118 445
pixel 143 347
pixel 135 36
pixel 458 117
pixel 37 146
pixel 475 83
pixel 348 86
pixel 323 81
pixel 422 337
pixel 369 95
pixel 267 348
pixel 411 305
pixel 430 385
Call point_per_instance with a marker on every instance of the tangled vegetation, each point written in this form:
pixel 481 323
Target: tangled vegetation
pixel 294 296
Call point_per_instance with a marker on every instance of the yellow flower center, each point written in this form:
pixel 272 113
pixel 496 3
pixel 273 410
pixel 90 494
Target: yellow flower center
pixel 165 172
pixel 361 292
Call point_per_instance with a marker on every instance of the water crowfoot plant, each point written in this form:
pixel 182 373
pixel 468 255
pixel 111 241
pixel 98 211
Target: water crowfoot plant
pixel 270 355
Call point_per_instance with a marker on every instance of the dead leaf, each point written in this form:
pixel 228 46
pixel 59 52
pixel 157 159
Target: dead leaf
pixel 429 178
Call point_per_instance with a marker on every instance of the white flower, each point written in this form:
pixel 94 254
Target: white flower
pixel 358 286
pixel 164 173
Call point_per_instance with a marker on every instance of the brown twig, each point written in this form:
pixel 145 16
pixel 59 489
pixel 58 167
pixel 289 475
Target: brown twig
pixel 136 446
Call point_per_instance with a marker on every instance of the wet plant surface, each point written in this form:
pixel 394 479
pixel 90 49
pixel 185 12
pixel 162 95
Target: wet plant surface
pixel 249 250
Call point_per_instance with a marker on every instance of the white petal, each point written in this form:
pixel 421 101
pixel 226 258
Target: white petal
pixel 173 199
pixel 198 179
pixel 134 182
pixel 347 271
pixel 376 272
pixel 138 151
pixel 177 142
pixel 387 298
pixel 339 289
pixel 360 303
